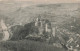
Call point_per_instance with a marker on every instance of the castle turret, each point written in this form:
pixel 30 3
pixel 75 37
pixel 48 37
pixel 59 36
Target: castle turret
pixel 36 22
pixel 53 32
pixel 46 27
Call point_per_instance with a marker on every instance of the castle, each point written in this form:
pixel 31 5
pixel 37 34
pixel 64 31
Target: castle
pixel 44 26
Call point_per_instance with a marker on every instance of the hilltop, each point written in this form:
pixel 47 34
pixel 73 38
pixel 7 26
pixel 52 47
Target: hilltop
pixel 64 16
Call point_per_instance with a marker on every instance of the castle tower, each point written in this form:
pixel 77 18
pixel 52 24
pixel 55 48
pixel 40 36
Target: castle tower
pixel 53 31
pixel 46 27
pixel 38 21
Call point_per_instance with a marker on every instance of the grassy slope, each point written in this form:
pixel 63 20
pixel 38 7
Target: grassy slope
pixel 27 45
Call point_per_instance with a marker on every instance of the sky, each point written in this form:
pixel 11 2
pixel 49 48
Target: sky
pixel 48 1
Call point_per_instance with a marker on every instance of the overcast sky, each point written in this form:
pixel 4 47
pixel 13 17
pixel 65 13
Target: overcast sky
pixel 48 1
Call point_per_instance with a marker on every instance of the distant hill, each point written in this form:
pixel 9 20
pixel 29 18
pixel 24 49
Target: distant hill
pixel 56 13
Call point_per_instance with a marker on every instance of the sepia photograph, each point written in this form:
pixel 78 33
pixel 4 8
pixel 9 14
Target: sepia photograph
pixel 39 25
